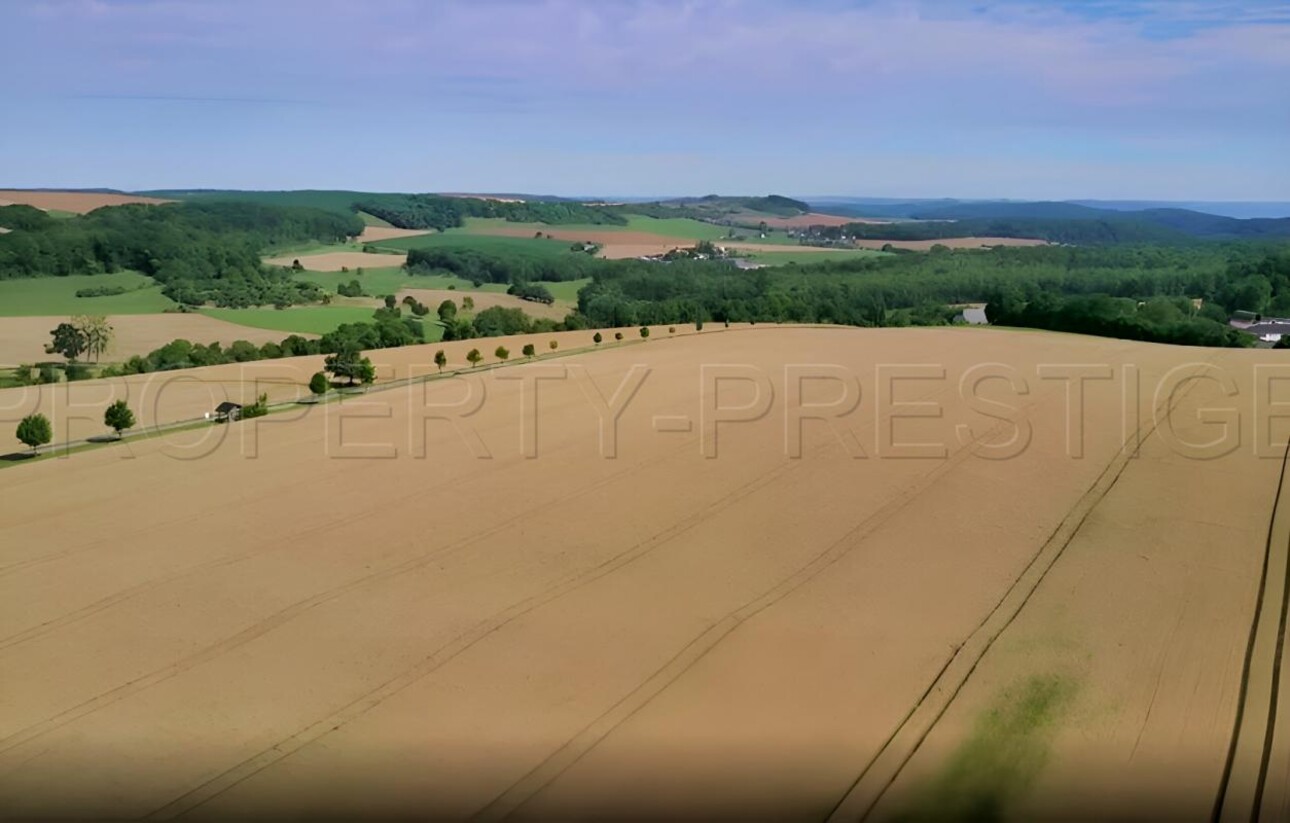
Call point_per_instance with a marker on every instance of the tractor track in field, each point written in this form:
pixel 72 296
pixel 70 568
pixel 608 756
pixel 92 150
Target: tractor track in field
pixel 1241 790
pixel 881 772
pixel 558 762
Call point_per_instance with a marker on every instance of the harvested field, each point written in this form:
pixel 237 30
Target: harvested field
pixel 803 221
pixel 614 244
pixel 485 299
pixel 23 339
pixel 74 201
pixel 337 260
pixel 273 629
pixel 372 234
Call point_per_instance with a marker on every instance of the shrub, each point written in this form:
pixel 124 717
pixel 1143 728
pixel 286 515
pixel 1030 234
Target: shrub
pixel 502 353
pixel 257 409
pixel 554 344
pixel 473 357
pixel 618 335
pixel 440 359
pixel 118 417
pixel 597 338
pixel 76 371
pixel 529 350
pixel 319 384
pixel 34 430
pixel 644 332
pixel 671 329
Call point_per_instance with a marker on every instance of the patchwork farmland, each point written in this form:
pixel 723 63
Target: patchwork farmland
pixel 873 613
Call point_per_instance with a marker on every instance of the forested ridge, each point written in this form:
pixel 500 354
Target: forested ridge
pixel 206 252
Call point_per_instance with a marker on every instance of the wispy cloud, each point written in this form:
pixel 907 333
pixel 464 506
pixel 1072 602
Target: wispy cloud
pixel 686 76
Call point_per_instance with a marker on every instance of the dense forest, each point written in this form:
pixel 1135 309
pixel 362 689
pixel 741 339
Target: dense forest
pixel 915 289
pixel 199 252
pixel 482 267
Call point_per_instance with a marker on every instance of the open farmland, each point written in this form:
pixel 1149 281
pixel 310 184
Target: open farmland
pixel 802 221
pixel 282 626
pixel 338 260
pixel 57 295
pixel 373 234
pixel 23 339
pixel 76 202
pixel 525 245
pixel 294 319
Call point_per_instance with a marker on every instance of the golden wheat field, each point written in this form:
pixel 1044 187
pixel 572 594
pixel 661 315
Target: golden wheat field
pixel 759 572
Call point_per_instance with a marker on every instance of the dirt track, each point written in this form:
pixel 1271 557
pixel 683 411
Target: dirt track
pixel 306 631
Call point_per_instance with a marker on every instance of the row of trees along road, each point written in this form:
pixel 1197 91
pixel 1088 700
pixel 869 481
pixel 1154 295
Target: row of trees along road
pixel 35 431
pixel 348 363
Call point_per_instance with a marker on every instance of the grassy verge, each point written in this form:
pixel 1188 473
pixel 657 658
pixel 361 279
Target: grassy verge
pixel 295 320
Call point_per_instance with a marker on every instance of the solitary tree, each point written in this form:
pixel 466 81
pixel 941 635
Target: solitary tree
pixel 319 384
pixel 390 302
pixel 597 338
pixel 69 341
pixel 698 325
pixel 468 303
pixel 118 417
pixel 644 332
pixel 447 311
pixel 350 364
pixel 529 350
pixel 440 360
pixel 554 344
pixel 35 431
pixel 473 356
pixel 503 353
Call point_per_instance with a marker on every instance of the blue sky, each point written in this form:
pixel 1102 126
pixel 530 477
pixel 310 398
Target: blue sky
pixel 1160 99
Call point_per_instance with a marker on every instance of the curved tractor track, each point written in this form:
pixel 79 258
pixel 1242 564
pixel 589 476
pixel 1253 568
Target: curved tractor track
pixel 1255 776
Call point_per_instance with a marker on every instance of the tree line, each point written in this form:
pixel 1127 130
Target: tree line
pixel 486 267
pixel 431 211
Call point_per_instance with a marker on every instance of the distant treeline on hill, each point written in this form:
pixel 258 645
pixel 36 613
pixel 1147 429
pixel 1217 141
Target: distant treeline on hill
pixel 1060 223
pixel 200 252
pixel 430 211
pixel 1054 230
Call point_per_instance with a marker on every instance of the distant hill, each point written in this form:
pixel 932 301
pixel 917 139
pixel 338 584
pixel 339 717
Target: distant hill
pixel 1065 222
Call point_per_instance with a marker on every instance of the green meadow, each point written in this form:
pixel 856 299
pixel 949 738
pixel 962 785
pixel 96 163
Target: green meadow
pixel 34 296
